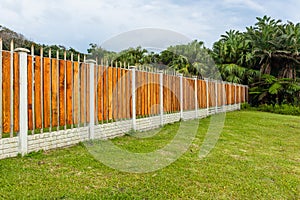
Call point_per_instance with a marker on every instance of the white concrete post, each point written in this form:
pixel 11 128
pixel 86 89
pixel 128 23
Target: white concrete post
pixel 92 99
pixel 207 98
pixel 161 97
pixel 196 97
pixel 133 98
pixel 23 102
pixel 181 96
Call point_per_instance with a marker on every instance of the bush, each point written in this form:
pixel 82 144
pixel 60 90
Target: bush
pixel 284 109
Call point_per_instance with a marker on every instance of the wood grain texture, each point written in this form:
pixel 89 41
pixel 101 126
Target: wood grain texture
pixel 16 92
pixel 6 91
pixel 37 92
pixel 46 93
pixel 54 93
pixel 29 92
pixel 61 93
pixel 69 97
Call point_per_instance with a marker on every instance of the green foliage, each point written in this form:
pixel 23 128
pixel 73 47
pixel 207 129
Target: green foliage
pixel 269 46
pixel 284 109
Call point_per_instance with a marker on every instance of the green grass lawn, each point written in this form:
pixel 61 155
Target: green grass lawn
pixel 257 157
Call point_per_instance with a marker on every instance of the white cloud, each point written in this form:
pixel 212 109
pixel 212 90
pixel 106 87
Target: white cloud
pixel 77 23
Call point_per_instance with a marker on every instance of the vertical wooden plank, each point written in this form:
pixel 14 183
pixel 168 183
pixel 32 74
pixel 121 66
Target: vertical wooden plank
pixel 100 94
pixel 29 92
pixel 65 90
pixel 152 94
pixel 11 88
pixel 37 92
pixel 148 93
pixel 76 92
pixel 124 94
pixel 6 91
pixel 72 90
pixel 1 86
pixel 82 95
pixel 201 97
pixel 50 91
pixel 129 94
pixel 46 93
pixel 114 94
pixel 78 89
pixel 58 88
pixel 105 94
pixel 42 88
pixel 87 94
pixel 141 93
pixel 16 92
pixel 204 94
pixel 109 70
pixel 54 92
pixel 138 92
pixel 61 93
pixel 69 111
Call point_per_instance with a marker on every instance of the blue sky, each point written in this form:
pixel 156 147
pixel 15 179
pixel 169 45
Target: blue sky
pixel 75 23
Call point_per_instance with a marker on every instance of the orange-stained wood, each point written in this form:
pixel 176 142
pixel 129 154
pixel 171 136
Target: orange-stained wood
pixel 54 106
pixel 61 93
pixel 69 92
pixel 37 92
pixel 46 92
pixel 6 91
pixel 16 92
pixel 29 92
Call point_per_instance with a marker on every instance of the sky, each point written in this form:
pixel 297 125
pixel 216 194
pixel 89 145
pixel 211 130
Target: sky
pixel 74 23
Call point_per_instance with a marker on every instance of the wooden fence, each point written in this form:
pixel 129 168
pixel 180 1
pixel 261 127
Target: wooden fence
pixel 59 90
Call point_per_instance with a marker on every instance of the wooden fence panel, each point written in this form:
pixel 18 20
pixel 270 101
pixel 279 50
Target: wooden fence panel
pixel 87 94
pixel 76 92
pixel 148 93
pixel 29 92
pixel 54 92
pixel 16 92
pixel 6 91
pixel 100 93
pixel 37 92
pixel 69 97
pixel 118 94
pixel 61 93
pixel 46 91
pixel 110 85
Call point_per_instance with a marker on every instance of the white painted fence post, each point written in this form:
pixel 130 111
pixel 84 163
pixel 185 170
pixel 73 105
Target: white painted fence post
pixel 133 98
pixel 92 99
pixel 196 97
pixel 161 97
pixel 23 102
pixel 207 98
pixel 181 96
